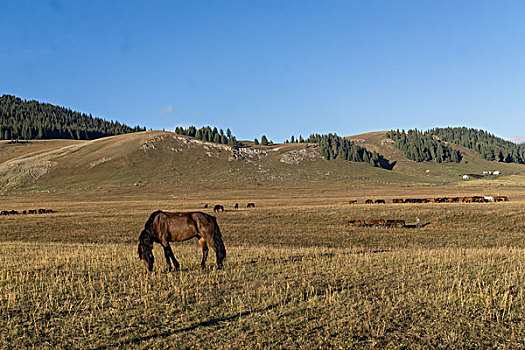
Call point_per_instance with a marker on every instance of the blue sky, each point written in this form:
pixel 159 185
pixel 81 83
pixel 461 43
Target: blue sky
pixel 272 67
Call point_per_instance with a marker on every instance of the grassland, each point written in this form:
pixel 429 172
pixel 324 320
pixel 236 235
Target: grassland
pixel 296 275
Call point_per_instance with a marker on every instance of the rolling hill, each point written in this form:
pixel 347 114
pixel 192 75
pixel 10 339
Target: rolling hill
pixel 157 158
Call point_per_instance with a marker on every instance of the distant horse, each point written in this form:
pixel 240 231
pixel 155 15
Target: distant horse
pixel 250 205
pixel 377 223
pixel 352 201
pixel 218 207
pixel 501 198
pixel 395 223
pixel 357 223
pixel 163 228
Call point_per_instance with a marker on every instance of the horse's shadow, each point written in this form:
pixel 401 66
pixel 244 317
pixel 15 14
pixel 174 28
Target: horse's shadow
pixel 206 323
pixel 420 226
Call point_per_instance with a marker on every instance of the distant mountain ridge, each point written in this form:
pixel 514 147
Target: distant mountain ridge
pixel 22 119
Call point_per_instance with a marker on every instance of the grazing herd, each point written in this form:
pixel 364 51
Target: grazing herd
pixel 472 199
pixel 220 208
pixel 24 212
pixel 377 223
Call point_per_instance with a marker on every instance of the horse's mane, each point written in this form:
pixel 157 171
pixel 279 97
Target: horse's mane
pixel 149 224
pixel 146 236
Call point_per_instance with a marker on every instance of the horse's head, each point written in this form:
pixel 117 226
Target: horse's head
pixel 145 250
pixel 146 255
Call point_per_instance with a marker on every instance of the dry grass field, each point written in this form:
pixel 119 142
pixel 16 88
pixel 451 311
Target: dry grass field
pixel 296 275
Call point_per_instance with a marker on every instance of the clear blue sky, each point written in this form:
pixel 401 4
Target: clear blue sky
pixel 273 67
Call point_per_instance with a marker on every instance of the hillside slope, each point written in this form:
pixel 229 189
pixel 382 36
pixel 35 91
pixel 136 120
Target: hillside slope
pixel 472 162
pixel 158 157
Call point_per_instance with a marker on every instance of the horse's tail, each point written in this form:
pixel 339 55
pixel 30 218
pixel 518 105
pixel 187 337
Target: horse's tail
pixel 220 250
pixel 149 224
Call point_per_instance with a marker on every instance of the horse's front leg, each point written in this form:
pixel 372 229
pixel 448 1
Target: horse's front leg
pixel 205 249
pixel 167 255
pixel 172 256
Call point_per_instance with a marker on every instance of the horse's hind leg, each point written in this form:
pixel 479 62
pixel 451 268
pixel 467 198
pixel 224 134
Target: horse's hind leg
pixel 204 247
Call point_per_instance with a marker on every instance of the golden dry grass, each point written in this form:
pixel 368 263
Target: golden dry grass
pixel 296 276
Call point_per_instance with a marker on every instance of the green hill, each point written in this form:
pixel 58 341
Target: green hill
pixel 157 158
pixel 486 144
pixel 27 120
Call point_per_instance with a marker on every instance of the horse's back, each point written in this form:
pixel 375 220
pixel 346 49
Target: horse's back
pixel 185 225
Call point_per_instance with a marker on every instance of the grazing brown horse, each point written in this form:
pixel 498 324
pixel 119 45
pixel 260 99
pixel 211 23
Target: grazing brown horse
pixel 395 223
pixel 377 223
pixel 357 223
pixel 163 228
pixel 501 198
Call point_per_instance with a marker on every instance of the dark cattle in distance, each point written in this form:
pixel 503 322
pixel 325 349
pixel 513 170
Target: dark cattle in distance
pixel 236 206
pixel 205 205
pixel 380 201
pixel 369 201
pixel 250 205
pixel 218 208
pixel 501 199
pixel 397 200
pixel 24 212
